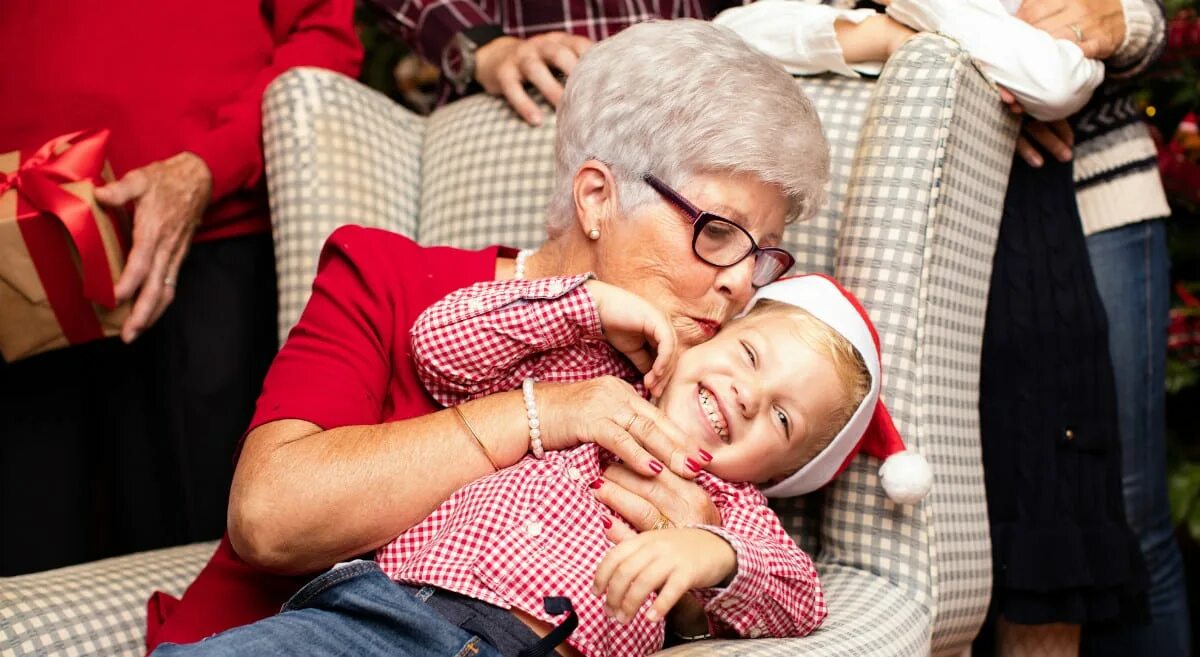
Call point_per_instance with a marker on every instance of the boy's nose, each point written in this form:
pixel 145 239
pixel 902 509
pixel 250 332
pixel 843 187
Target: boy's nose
pixel 747 395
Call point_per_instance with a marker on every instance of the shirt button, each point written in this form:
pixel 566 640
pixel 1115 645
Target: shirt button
pixel 573 473
pixel 534 528
pixel 556 288
pixel 755 633
pixel 728 603
pixel 475 305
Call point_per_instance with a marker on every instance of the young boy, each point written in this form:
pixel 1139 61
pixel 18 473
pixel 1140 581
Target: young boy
pixel 781 395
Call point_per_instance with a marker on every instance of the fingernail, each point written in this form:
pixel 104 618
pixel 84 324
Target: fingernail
pixel 1064 156
pixel 656 467
pixel 1037 161
pixel 705 455
pixel 692 465
pixel 652 615
pixel 596 483
pixel 606 522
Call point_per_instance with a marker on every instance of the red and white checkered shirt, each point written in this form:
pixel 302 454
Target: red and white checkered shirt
pixel 428 25
pixel 533 530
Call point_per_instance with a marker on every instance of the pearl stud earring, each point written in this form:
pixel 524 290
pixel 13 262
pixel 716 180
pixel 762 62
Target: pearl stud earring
pixel 594 234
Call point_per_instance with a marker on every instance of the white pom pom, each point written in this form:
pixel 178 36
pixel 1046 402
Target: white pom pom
pixel 906 477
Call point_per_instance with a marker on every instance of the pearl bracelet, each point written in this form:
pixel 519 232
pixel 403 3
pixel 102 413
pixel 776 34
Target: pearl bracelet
pixel 531 411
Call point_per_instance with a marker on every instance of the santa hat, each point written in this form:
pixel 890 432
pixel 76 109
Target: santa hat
pixel 905 475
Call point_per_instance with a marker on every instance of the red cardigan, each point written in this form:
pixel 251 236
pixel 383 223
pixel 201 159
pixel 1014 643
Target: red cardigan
pixel 166 76
pixel 348 361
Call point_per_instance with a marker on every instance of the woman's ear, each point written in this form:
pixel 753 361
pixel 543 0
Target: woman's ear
pixel 595 192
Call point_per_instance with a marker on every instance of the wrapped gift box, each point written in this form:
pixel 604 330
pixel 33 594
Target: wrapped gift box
pixel 60 252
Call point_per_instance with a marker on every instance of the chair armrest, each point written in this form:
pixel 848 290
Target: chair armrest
pixel 336 153
pixel 96 608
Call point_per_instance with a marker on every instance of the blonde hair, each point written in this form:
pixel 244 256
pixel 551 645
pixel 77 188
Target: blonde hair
pixel 847 362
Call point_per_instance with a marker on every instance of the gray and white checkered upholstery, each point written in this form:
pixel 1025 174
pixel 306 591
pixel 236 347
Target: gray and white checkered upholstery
pixel 920 163
pixel 97 608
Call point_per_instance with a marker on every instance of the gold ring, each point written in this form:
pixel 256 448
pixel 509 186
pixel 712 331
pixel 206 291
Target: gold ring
pixel 632 418
pixel 663 522
pixel 1078 32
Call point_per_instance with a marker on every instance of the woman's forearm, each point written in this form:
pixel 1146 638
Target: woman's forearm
pixel 304 499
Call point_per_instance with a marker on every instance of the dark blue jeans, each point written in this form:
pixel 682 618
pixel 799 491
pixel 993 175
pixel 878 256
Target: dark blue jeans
pixel 353 610
pixel 1130 265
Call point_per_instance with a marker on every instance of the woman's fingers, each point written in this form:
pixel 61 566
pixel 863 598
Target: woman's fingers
pixel 634 509
pixel 640 500
pixel 650 428
pixel 1050 136
pixel 1028 153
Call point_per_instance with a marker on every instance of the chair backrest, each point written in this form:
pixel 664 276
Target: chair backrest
pixel 486 175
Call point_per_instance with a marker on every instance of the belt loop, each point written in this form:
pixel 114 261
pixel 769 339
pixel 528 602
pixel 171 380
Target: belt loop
pixel 554 606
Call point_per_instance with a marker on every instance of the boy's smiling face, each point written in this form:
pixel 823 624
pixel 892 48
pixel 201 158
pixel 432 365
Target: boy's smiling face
pixel 756 394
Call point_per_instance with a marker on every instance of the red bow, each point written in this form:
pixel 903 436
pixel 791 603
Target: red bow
pixel 75 157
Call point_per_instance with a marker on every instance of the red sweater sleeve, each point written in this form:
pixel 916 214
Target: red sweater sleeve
pixel 306 33
pixel 334 368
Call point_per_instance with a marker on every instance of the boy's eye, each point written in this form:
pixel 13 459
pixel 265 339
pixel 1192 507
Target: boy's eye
pixel 750 353
pixel 783 420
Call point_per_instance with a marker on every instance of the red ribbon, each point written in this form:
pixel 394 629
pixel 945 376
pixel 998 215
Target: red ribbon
pixel 74 157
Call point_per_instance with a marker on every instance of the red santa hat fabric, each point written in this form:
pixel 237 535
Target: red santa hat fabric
pixel 905 476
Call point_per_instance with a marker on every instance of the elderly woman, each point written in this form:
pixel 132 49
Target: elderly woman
pixel 346 450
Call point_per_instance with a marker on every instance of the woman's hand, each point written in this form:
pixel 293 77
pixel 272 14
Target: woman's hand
pixel 609 412
pixel 652 503
pixel 1097 26
pixel 638 330
pixel 1056 137
pixel 671 562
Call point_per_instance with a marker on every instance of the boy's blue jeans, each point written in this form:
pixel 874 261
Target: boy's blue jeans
pixel 354 610
pixel 1130 264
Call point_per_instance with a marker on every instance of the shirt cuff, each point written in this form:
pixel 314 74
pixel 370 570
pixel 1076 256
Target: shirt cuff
pixel 233 153
pixel 1139 30
pixel 798 35
pixel 731 609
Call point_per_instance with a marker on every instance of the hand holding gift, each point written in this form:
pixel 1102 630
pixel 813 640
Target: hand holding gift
pixel 169 199
pixel 59 251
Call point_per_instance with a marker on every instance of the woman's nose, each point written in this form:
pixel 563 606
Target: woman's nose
pixel 734 282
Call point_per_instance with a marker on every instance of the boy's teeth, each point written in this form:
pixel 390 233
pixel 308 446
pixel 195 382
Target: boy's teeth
pixel 714 414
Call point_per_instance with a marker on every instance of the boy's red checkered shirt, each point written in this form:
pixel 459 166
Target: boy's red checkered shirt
pixel 533 530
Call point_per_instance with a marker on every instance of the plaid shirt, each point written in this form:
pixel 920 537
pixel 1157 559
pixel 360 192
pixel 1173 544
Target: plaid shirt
pixel 533 530
pixel 428 25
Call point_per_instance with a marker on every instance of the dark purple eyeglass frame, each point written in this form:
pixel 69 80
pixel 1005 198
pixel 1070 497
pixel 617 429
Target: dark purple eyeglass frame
pixel 701 218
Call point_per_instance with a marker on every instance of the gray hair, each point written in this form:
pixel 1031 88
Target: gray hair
pixel 681 98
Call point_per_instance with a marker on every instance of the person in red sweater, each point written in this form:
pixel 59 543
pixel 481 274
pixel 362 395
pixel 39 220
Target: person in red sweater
pixel 123 445
pixel 347 450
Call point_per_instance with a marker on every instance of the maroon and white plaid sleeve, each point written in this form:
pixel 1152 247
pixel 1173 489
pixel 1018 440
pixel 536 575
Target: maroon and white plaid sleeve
pixel 776 591
pixel 490 336
pixel 427 25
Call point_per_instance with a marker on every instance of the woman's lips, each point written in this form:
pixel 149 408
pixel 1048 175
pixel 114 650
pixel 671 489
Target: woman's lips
pixel 707 326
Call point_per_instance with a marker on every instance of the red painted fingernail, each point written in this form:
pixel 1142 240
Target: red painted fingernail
pixel 606 522
pixel 656 467
pixel 705 455
pixel 596 483
pixel 692 465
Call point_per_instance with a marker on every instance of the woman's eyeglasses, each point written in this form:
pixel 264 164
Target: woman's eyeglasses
pixel 722 242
